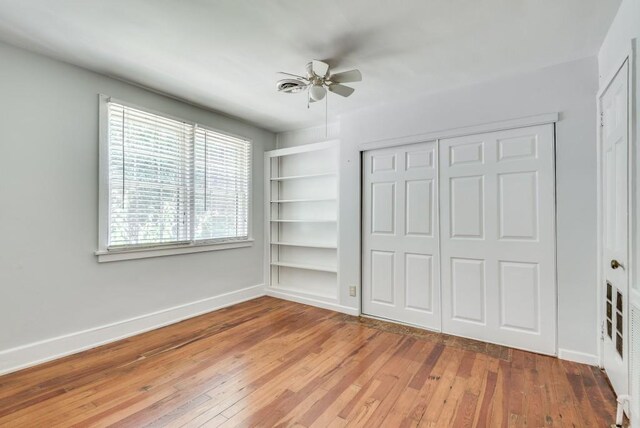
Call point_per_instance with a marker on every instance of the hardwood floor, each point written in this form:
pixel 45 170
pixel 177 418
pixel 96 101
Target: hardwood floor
pixel 269 362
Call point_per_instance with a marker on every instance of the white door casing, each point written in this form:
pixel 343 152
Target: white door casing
pixel 615 239
pixel 400 235
pixel 497 198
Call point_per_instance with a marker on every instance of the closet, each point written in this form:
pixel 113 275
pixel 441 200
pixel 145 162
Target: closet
pixel 459 236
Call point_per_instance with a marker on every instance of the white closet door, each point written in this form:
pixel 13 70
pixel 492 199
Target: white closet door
pixel 497 237
pixel 400 235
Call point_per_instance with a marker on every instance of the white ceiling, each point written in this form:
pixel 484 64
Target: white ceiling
pixel 224 54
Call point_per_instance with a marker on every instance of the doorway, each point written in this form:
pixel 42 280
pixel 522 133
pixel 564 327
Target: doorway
pixel 614 289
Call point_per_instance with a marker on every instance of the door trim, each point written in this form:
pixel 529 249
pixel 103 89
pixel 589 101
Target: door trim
pixel 503 125
pixel 628 62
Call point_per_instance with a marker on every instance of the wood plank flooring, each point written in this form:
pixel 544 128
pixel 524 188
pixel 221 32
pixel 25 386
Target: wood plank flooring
pixel 270 362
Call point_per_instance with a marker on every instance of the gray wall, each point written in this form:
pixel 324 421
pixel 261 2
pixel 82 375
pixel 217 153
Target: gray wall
pixel 315 134
pixel 50 282
pixel 569 89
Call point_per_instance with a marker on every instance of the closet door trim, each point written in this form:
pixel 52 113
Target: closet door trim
pixel 503 125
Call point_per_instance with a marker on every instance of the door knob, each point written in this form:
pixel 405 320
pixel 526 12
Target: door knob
pixel 616 264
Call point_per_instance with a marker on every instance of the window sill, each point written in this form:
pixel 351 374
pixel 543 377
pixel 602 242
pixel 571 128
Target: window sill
pixel 143 253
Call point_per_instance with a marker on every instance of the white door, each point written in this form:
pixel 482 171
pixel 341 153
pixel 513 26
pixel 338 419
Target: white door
pixel 614 138
pixel 400 235
pixel 498 237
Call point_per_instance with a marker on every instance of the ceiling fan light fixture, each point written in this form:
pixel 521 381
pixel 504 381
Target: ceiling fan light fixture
pixel 317 92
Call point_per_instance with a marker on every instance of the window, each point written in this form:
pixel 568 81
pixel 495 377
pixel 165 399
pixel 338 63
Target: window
pixel 171 182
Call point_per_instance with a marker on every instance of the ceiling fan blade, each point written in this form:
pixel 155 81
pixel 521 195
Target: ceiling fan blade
pixel 346 76
pixel 294 75
pixel 342 90
pixel 320 68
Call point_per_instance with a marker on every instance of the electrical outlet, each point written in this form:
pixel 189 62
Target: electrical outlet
pixel 352 291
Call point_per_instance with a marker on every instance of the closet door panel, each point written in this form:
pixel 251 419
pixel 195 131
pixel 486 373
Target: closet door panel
pixel 400 257
pixel 498 237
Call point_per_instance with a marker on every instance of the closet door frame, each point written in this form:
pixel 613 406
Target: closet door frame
pixel 540 119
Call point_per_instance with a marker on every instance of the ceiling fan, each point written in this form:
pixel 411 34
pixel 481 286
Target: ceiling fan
pixel 318 80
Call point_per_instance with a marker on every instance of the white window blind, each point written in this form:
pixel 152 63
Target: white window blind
pixel 172 182
pixel 221 186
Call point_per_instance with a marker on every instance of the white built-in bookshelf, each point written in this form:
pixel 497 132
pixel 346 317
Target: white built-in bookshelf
pixel 302 221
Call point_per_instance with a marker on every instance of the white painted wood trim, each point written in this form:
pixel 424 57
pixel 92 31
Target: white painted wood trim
pixel 306 266
pixel 611 74
pixel 143 253
pixel 541 119
pixel 108 98
pixel 302 177
pixel 267 221
pixel 302 149
pixel 599 233
pixel 634 295
pixel 28 355
pixel 578 357
pixel 554 225
pixel 339 287
pixel 305 245
pixel 269 291
pixel 104 210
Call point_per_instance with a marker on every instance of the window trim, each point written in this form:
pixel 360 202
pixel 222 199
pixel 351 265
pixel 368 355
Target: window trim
pixel 105 254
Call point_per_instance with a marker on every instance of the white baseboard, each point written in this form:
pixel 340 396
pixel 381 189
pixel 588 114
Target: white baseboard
pixel 24 356
pixel 311 301
pixel 50 349
pixel 578 357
